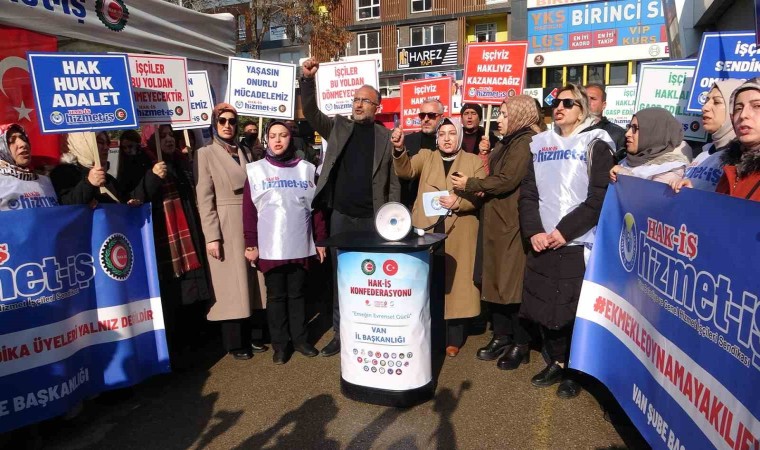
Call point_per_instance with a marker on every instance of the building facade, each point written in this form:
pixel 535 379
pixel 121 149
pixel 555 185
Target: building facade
pixel 420 38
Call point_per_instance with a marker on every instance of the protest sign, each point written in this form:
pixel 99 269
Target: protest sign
pixel 262 88
pixel 621 104
pixel 723 56
pixel 160 88
pixel 414 93
pixel 80 310
pixel 674 297
pixel 201 103
pixel 667 86
pixel 494 71
pixel 337 82
pixel 82 92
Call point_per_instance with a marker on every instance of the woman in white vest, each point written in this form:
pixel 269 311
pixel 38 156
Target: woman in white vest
pixel 279 227
pixel 559 206
pixel 707 168
pixel 654 143
pixel 20 187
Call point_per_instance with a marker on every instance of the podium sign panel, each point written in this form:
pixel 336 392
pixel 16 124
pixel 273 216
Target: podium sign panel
pixel 385 319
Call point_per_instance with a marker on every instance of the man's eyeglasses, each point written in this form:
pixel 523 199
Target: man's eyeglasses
pixel 364 101
pixel 223 121
pixel 633 127
pixel 568 103
pixel 430 115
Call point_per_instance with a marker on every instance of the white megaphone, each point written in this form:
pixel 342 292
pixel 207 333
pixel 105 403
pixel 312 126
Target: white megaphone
pixel 393 222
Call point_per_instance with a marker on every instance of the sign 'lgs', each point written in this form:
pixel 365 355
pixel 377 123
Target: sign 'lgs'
pixel 494 71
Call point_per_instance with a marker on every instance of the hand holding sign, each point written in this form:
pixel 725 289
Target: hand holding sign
pixel 310 67
pixel 485 144
pixel 97 176
pixel 159 169
pixel 397 139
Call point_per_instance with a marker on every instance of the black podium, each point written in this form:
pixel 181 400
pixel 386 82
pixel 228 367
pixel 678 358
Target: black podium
pixel 385 317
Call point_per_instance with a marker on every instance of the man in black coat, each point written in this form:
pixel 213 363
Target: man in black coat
pixel 357 175
pixel 597 102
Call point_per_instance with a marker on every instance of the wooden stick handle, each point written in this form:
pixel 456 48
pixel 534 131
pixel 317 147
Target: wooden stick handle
pixel 159 156
pixel 488 120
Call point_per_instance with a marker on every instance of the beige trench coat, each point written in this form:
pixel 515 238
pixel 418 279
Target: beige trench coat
pixel 462 296
pixel 219 187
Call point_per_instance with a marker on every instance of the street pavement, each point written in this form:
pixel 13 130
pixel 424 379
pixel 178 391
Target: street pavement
pixel 217 402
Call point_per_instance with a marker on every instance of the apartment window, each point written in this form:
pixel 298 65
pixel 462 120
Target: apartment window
pixel 428 34
pixel 389 87
pixel 369 43
pixel 596 75
pixel 421 5
pixel 575 75
pixel 554 77
pixel 535 78
pixel 367 9
pixel 485 32
pixel 241 27
pixel 618 74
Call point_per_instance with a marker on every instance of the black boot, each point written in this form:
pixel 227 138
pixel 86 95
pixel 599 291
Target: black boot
pixel 551 374
pixel 495 348
pixel 332 348
pixel 568 387
pixel 306 349
pixel 516 355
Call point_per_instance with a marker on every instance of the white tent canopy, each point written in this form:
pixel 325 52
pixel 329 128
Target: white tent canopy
pixel 135 25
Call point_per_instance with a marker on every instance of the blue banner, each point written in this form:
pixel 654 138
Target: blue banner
pixel 723 56
pixel 668 317
pixel 80 310
pixel 82 92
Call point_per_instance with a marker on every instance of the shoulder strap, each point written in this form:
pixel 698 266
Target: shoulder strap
pixel 752 191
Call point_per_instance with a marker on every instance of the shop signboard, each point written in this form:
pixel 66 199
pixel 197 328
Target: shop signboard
pixel 579 32
pixel 427 55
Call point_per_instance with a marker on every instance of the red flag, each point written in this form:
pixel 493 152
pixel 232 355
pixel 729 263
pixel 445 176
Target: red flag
pixel 16 98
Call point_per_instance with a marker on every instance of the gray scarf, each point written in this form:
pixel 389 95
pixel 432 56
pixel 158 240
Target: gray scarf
pixel 659 133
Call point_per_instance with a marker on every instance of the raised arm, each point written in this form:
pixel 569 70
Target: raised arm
pixel 316 118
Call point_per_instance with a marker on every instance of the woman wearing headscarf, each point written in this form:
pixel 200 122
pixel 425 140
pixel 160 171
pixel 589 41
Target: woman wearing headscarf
pixel 81 180
pixel 280 229
pixel 134 162
pixel 220 182
pixel 178 239
pixel 21 188
pixel 503 249
pixel 707 168
pixel 654 143
pixel 432 167
pixel 741 169
pixel 560 201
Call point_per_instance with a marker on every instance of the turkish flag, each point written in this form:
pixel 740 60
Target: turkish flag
pixel 16 98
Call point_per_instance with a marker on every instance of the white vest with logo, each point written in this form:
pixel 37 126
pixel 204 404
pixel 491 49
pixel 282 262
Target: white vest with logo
pixel 18 194
pixel 706 170
pixel 562 175
pixel 283 196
